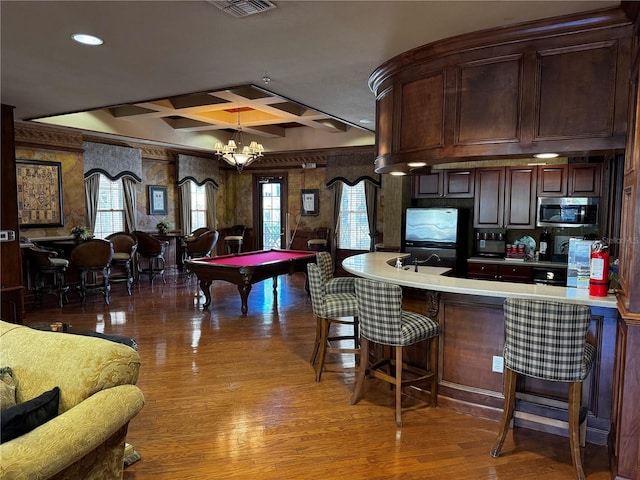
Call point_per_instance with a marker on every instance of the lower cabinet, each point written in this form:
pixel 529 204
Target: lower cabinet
pixel 503 273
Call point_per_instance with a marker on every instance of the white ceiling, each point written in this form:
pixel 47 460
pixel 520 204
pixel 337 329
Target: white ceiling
pixel 318 54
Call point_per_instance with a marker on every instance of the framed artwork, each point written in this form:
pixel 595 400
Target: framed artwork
pixel 157 200
pixel 39 193
pixel 310 202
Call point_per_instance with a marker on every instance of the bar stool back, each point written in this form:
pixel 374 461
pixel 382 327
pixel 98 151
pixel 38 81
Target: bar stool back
pixel 93 259
pixel 333 284
pixel 546 340
pixel 383 321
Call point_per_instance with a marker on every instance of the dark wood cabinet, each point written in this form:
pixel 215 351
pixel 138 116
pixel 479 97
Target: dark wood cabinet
pixel 428 186
pixel 520 197
pixel 584 179
pixel 505 197
pixel 552 180
pixel 457 183
pixel 488 207
pixel 11 282
pixel 503 273
pixel 537 87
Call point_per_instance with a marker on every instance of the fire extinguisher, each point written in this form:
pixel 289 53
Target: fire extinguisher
pixel 599 270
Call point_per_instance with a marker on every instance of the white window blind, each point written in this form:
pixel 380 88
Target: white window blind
pixel 353 230
pixel 110 213
pixel 198 206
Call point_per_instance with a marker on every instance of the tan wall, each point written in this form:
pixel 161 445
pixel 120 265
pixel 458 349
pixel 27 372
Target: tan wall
pixel 235 195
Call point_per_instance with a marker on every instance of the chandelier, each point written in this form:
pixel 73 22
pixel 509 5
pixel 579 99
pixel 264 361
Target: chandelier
pixel 236 152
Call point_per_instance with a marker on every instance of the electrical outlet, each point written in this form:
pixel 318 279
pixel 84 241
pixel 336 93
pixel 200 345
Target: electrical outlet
pixel 498 364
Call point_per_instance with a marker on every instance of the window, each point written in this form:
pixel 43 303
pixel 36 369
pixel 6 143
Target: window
pixel 353 230
pixel 110 214
pixel 198 206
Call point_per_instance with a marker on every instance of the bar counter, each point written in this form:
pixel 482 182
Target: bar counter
pixel 471 322
pixel 381 266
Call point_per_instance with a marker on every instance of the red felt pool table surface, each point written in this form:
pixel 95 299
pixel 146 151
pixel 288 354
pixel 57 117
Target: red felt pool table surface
pixel 257 258
pixel 245 269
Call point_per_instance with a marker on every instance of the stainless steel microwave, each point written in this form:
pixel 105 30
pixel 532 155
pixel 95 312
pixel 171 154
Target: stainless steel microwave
pixel 567 211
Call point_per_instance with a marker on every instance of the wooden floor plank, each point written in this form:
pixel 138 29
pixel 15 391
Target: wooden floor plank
pixel 234 397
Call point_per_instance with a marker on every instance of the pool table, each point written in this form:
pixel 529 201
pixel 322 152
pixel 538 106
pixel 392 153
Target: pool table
pixel 245 269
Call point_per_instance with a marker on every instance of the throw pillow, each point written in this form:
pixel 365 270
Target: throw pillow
pixel 7 388
pixel 26 416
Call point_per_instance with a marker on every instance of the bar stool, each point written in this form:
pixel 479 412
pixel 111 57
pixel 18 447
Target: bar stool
pixel 234 240
pixel 93 259
pixel 124 251
pixel 383 321
pixel 46 264
pixel 546 340
pixel 320 240
pixel 150 255
pixel 198 247
pixel 330 309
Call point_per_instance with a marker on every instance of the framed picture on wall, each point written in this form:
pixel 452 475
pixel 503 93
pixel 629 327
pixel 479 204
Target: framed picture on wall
pixel 310 202
pixel 39 193
pixel 157 200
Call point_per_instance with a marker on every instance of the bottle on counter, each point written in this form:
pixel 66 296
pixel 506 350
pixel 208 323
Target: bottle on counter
pixel 545 246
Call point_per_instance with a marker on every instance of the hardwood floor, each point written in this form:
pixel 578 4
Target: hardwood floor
pixel 233 397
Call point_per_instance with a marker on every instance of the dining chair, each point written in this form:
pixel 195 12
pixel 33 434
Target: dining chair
pixel 234 239
pixel 197 247
pixel 50 273
pixel 319 240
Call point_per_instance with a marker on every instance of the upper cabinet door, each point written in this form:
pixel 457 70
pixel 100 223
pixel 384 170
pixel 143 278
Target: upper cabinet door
pixel 488 207
pixel 489 99
pixel 552 181
pixel 520 197
pixel 459 183
pixel 577 91
pixel 584 179
pixel 428 186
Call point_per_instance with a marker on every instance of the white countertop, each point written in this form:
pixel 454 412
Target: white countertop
pixel 379 266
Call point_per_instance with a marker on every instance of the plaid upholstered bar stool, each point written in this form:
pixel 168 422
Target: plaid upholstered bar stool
pixel 383 321
pixel 331 309
pixel 546 340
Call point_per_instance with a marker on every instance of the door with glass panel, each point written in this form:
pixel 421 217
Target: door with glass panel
pixel 271 195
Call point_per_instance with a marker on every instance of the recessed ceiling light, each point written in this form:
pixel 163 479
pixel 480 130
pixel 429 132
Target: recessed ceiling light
pixel 397 174
pixel 416 164
pixel 87 39
pixel 364 120
pixel 546 155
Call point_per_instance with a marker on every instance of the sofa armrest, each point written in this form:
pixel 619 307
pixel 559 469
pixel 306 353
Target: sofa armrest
pixel 62 441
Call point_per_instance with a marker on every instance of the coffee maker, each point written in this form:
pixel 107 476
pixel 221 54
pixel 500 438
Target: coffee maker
pixel 490 244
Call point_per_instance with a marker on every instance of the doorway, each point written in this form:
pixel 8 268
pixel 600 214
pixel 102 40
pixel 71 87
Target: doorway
pixel 271 195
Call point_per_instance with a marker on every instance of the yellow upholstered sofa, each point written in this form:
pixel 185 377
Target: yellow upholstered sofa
pixel 98 398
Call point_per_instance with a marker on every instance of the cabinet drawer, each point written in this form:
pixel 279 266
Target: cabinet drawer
pixel 482 271
pixel 515 273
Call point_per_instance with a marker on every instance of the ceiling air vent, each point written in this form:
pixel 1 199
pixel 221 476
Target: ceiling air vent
pixel 243 8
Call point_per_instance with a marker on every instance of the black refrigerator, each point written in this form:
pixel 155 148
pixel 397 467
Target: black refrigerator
pixel 437 237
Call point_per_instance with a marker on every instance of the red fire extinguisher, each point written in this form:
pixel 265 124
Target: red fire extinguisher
pixel 599 271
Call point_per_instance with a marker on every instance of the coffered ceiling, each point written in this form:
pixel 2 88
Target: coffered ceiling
pixel 178 72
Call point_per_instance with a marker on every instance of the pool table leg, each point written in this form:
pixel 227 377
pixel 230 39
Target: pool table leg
pixel 205 287
pixel 244 290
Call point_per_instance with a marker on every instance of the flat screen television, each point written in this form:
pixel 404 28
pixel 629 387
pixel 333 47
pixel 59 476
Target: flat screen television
pixel 431 227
